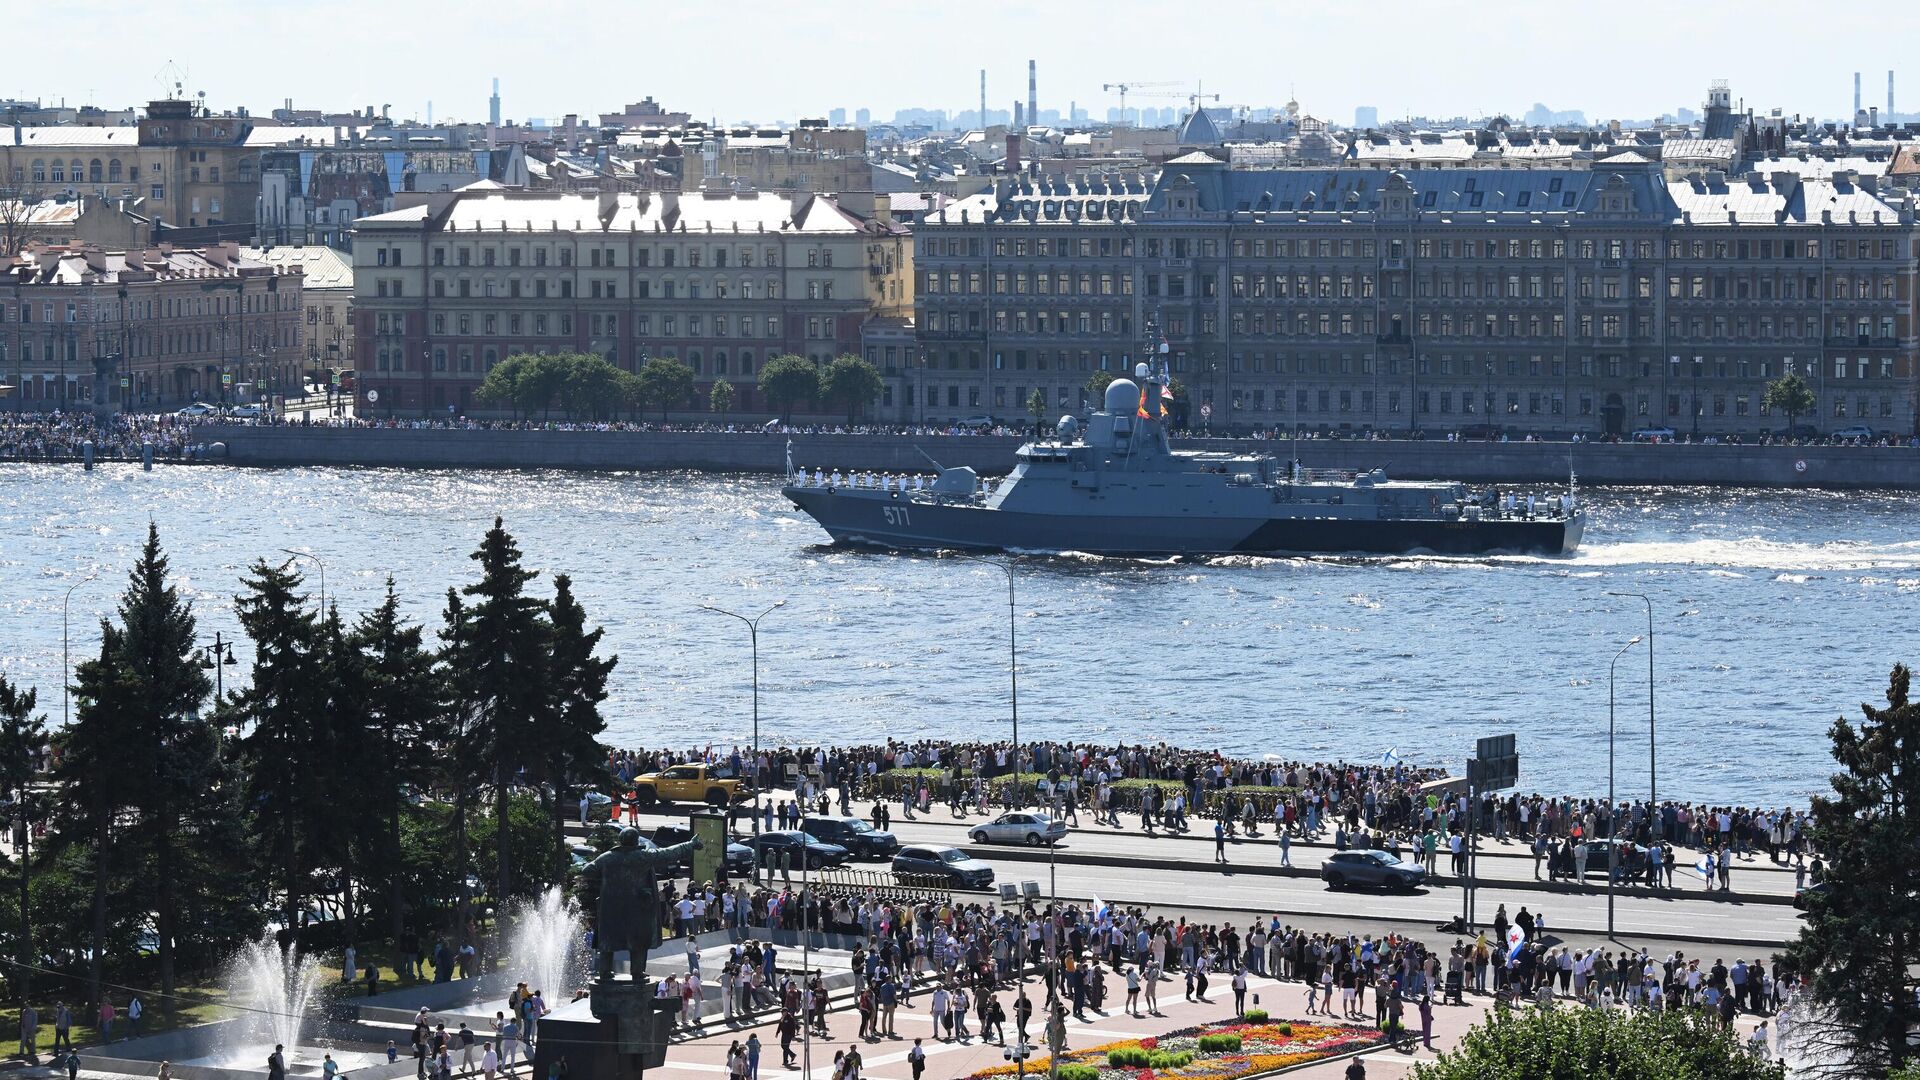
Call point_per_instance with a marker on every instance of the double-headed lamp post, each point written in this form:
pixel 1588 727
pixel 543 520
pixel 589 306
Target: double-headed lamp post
pixel 216 658
pixel 1613 825
pixel 753 638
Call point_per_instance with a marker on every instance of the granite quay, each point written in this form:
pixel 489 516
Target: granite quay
pixel 1821 466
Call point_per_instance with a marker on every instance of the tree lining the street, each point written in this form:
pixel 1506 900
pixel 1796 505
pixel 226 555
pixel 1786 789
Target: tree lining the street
pixel 347 791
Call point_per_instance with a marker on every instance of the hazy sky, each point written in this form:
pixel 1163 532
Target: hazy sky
pixel 748 59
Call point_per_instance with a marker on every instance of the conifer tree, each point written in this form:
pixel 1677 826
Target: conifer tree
pixel 404 710
pixel 22 735
pixel 578 682
pixel 282 712
pixel 1860 945
pixel 502 662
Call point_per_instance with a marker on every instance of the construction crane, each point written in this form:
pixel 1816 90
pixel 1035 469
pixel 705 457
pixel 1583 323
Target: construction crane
pixel 1126 88
pixel 1193 98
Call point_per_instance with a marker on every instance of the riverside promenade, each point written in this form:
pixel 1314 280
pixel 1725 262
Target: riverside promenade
pixel 1663 464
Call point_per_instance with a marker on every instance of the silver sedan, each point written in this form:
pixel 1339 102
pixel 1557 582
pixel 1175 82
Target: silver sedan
pixel 1019 827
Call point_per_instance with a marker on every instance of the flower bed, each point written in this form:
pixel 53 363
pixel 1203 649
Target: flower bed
pixel 1247 1050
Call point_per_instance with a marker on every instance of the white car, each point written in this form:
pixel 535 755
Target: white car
pixel 248 412
pixel 1857 431
pixel 1654 434
pixel 1019 827
pixel 198 408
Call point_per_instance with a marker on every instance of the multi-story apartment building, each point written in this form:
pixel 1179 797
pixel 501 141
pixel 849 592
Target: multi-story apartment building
pixel 448 284
pixel 1549 300
pixel 147 329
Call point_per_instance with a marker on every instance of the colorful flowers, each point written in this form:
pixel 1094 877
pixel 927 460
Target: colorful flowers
pixel 1250 1049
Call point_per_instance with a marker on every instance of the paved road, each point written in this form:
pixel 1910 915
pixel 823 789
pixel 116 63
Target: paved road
pixel 1177 874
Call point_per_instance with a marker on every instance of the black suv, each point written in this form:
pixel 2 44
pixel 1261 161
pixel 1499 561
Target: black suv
pixel 858 837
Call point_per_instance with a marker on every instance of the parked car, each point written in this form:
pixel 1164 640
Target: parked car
pixel 939 860
pixel 978 422
pixel 599 806
pixel 1380 869
pixel 805 850
pixel 739 856
pixel 1653 434
pixel 687 783
pixel 861 839
pixel 1818 888
pixel 1802 432
pixel 1633 860
pixel 198 408
pixel 1857 431
pixel 248 411
pixel 1019 827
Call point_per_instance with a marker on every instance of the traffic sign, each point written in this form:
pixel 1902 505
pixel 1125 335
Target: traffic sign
pixel 226 378
pixel 373 395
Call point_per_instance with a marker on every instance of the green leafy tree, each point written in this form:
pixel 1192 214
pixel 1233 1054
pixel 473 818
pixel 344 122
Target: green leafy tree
pixel 720 398
pixel 850 381
pixel 501 387
pixel 22 734
pixel 1037 405
pixel 1598 1044
pixel 1860 944
pixel 664 382
pixel 1789 394
pixel 788 380
pixel 1097 385
pixel 592 387
pixel 405 709
pixel 286 748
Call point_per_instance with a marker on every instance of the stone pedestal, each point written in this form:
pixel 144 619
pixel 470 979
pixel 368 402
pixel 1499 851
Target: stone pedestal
pixel 616 1033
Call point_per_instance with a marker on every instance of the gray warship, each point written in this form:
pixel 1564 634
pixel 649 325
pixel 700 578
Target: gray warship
pixel 1115 486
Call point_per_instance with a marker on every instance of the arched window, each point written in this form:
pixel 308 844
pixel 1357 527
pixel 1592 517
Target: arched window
pixel 113 171
pixel 94 173
pixel 246 170
pixel 73 170
pixel 59 171
pixel 40 170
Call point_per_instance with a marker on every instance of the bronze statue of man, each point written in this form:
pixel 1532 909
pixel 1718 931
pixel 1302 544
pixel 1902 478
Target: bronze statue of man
pixel 628 914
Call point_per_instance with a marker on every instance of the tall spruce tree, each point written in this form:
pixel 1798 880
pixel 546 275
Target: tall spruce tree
pixel 578 684
pixel 1860 945
pixel 95 762
pixel 456 770
pixel 405 711
pixel 22 735
pixel 503 664
pixel 142 758
pixel 284 740
pixel 347 756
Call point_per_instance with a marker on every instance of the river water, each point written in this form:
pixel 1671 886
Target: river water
pixel 1775 612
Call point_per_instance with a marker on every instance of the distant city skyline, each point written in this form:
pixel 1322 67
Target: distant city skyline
pixel 1631 60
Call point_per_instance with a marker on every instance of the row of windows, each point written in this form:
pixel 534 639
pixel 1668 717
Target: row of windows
pixel 692 257
pixel 471 359
pixel 167 308
pixel 1446 248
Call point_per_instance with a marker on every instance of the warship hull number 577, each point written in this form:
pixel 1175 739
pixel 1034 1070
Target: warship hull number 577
pixel 1118 488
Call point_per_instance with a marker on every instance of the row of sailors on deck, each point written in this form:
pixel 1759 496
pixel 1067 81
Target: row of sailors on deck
pixel 867 479
pixel 1511 505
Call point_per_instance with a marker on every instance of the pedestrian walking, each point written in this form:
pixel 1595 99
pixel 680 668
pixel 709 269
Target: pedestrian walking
pixel 1219 840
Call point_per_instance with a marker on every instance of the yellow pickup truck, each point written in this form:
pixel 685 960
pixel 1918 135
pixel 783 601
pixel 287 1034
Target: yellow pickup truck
pixel 687 783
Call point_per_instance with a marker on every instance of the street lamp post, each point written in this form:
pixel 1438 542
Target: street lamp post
pixel 65 659
pixel 1013 671
pixel 1613 828
pixel 218 656
pixel 317 561
pixel 1653 776
pixel 753 639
